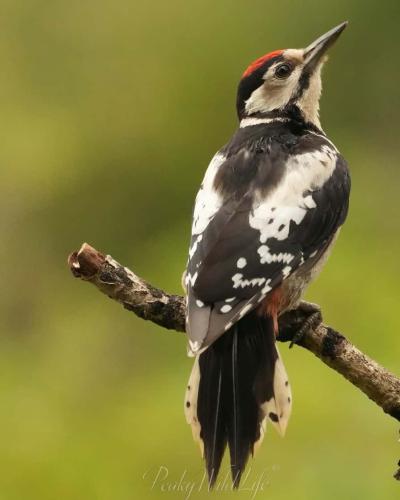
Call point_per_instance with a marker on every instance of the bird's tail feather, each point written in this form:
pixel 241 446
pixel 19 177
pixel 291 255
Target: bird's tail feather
pixel 235 385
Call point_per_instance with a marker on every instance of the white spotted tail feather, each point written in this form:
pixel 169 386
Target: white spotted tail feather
pixel 279 408
pixel 190 403
pixel 236 385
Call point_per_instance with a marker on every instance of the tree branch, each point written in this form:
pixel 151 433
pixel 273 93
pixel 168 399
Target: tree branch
pixel 153 304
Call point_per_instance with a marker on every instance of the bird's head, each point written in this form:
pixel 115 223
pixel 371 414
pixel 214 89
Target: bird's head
pixel 286 82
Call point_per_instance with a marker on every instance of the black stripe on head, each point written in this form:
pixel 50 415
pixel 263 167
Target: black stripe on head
pixel 302 86
pixel 249 83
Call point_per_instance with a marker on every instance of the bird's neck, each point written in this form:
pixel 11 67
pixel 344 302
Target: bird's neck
pixel 291 113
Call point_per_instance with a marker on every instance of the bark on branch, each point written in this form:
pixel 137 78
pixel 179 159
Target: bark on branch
pixel 167 310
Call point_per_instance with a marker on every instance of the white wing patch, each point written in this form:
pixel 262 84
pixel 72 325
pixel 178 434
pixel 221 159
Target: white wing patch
pixel 286 271
pixel 207 204
pixel 291 199
pixel 208 201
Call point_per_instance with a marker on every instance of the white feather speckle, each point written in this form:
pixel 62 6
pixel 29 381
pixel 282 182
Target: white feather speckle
pixel 194 346
pixel 241 263
pixel 226 308
pixel 266 288
pixel 240 282
pixel 189 279
pixel 267 257
pixel 193 248
pixel 245 310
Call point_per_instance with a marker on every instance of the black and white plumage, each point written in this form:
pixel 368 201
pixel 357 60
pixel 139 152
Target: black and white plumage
pixel 268 210
pixel 256 233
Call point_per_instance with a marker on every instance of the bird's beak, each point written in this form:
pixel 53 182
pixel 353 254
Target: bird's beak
pixel 315 51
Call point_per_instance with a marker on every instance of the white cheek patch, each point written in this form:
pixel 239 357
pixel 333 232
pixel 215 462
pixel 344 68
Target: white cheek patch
pixel 273 93
pixel 291 199
pixel 208 201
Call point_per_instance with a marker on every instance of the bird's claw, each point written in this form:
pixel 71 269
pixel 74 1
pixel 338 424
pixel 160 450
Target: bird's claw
pixel 312 321
pixel 309 324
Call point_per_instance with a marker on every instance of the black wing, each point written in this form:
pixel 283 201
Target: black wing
pixel 278 208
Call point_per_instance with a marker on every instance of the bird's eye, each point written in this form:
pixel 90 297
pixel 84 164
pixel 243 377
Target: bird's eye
pixel 283 70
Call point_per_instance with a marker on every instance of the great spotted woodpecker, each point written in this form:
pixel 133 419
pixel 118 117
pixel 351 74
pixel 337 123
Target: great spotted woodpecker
pixel 266 216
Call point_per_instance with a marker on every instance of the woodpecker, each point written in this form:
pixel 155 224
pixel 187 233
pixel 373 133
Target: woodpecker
pixel 265 219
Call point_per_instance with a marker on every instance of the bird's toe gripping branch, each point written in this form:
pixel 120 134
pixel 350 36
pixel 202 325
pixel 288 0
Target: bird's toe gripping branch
pixel 295 324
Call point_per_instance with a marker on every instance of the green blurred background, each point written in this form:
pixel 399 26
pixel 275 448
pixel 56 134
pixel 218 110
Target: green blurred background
pixel 110 112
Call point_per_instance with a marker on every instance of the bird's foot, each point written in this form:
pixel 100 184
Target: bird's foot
pixel 296 323
pixel 313 320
